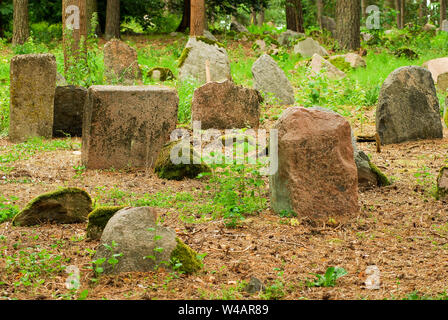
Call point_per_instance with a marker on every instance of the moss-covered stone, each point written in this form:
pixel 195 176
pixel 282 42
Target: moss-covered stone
pixel 442 184
pixel 341 64
pixel 165 73
pixel 381 177
pixel 98 219
pixel 210 41
pixel 166 169
pixel 406 52
pixel 66 205
pixel 186 256
pixel 183 56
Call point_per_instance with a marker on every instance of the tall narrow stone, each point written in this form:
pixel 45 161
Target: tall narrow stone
pixel 127 126
pixel 32 89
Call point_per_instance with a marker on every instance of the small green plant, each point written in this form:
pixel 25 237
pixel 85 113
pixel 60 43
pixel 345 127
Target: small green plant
pixel 7 208
pixel 328 279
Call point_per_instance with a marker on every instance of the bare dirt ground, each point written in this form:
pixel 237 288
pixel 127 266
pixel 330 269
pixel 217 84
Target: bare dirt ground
pixel 401 228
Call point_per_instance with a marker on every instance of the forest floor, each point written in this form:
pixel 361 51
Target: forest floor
pixel 401 228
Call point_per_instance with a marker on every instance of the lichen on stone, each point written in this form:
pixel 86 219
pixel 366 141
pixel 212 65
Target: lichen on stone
pixel 166 169
pixel 98 219
pixel 210 41
pixel 186 256
pixel 381 177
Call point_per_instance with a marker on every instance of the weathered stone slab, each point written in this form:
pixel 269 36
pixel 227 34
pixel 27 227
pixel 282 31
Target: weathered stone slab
pixel 33 79
pixel 120 62
pixel 224 105
pixel 68 111
pixel 319 64
pixel 317 175
pixel 309 47
pixel 127 125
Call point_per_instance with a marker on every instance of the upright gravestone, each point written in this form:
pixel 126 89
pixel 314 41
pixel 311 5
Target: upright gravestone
pixel 127 126
pixel 309 47
pixel 408 107
pixel 33 79
pixel 68 110
pixel 317 176
pixel 439 72
pixel 197 52
pixel 269 78
pixel 121 63
pixel 444 26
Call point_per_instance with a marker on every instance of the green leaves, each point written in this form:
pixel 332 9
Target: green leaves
pixel 328 279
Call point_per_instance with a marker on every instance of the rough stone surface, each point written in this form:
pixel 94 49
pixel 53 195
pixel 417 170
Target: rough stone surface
pixel 255 285
pixel 442 184
pixel 120 62
pixel 285 38
pixel 269 78
pixel 209 35
pixel 329 24
pixel 127 125
pixel 318 64
pixel 63 206
pixel 32 89
pixel 68 111
pixel 444 26
pixel 366 36
pixel 194 64
pixel 224 105
pixel 355 60
pixel 429 27
pixel 309 47
pixel 128 228
pixel 439 69
pixel 60 80
pixel 317 175
pixel 408 107
pixel 238 27
pixel 161 74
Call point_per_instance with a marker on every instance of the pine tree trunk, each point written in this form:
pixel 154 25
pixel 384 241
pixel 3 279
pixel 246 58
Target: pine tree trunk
pixel 1 23
pixel 91 8
pixel 442 11
pixel 112 19
pixel 320 9
pixel 294 15
pixel 402 13
pixel 197 18
pixel 185 23
pixel 364 8
pixel 72 44
pixel 399 13
pixel 348 16
pixel 21 29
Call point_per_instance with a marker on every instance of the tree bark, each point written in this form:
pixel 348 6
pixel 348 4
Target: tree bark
pixel 294 15
pixel 442 11
pixel 112 19
pixel 320 9
pixel 348 24
pixel 1 23
pixel 21 29
pixel 197 21
pixel 72 44
pixel 185 23
pixel 364 8
pixel 402 13
pixel 91 8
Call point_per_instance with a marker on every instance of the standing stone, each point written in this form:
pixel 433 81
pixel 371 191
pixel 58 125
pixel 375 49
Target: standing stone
pixel 285 38
pixel 127 125
pixel 237 27
pixel 120 62
pixel 269 78
pixel 224 105
pixel 193 60
pixel 317 176
pixel 209 35
pixel 439 70
pixel 68 111
pixel 329 24
pixel 444 26
pixel 141 245
pixel 442 184
pixel 318 64
pixel 309 47
pixel 33 79
pixel 408 107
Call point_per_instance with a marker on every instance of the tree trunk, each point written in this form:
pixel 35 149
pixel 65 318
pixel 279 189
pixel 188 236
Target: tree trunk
pixel 253 16
pixel 261 17
pixel 21 29
pixel 364 8
pixel 1 23
pixel 442 11
pixel 197 21
pixel 320 9
pixel 77 18
pixel 112 19
pixel 402 13
pixel 294 15
pixel 185 23
pixel 422 12
pixel 348 16
pixel 91 8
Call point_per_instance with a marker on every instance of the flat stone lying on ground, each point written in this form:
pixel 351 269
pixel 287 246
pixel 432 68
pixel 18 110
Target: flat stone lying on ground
pixel 127 126
pixel 68 111
pixel 408 107
pixel 317 175
pixel 319 64
pixel 224 105
pixel 270 78
pixel 32 90
pixel 69 205
pixel 121 63
pixel 309 47
pixel 192 64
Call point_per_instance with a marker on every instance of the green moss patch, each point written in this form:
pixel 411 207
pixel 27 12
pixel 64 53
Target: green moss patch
pixel 166 169
pixel 406 52
pixel 98 219
pixel 183 56
pixel 381 177
pixel 210 41
pixel 341 64
pixel 186 256
pixel 165 73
